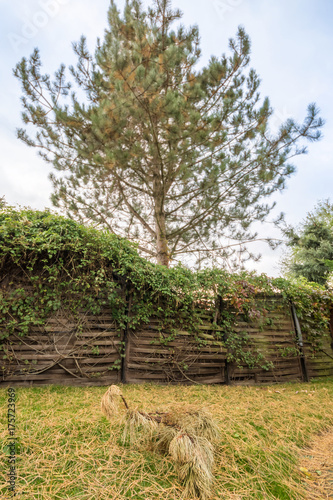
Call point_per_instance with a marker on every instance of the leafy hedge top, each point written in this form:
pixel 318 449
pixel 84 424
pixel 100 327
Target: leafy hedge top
pixel 26 234
pixel 75 266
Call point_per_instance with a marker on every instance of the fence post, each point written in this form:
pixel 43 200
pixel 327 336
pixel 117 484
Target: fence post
pixel 300 343
pixel 331 327
pixel 125 351
pixel 220 309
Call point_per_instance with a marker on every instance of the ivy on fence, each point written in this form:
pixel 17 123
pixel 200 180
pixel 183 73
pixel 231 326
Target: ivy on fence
pixel 49 263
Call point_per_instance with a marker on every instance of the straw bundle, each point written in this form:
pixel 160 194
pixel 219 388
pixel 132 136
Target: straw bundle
pixel 139 427
pixel 195 460
pixel 196 421
pixel 185 433
pixel 109 403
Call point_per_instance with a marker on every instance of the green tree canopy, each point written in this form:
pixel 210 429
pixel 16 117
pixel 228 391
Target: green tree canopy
pixel 177 158
pixel 311 245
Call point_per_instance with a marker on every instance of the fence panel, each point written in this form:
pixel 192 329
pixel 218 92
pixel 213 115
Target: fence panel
pixel 273 336
pixel 83 351
pixel 185 359
pixel 320 363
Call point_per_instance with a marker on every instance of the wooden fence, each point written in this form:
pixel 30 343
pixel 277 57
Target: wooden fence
pixel 94 350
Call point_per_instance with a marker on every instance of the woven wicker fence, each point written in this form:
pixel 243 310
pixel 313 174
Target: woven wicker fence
pixel 93 350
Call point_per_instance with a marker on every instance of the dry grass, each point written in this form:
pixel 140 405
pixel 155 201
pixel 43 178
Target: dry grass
pixel 68 449
pixel 317 467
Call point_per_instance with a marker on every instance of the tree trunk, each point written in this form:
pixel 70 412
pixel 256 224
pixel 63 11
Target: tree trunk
pixel 163 256
pixel 162 250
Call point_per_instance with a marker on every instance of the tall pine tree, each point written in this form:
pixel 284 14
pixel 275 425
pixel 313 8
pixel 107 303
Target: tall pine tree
pixel 177 158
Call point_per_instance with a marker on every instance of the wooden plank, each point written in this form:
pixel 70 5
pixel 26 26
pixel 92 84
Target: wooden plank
pixel 96 341
pixel 48 376
pixel 67 354
pixel 106 359
pixel 109 333
pixel 41 376
pixel 103 381
pixel 141 342
pixel 197 363
pixel 287 371
pixel 201 371
pixel 143 376
pixel 255 331
pixel 154 354
pixel 47 373
pixel 137 378
pixel 97 369
pixel 40 347
pixel 319 363
pixel 322 369
pixel 53 356
pixel 49 346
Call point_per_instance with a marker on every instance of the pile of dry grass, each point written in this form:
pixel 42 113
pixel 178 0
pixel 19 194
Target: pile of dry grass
pixel 185 433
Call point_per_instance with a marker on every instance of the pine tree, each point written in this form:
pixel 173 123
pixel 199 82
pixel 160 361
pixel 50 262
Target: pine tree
pixel 311 245
pixel 177 158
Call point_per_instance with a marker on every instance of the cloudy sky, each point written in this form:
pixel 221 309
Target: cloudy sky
pixel 292 51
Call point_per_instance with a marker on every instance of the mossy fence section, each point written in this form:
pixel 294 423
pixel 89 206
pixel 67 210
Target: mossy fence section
pixel 90 349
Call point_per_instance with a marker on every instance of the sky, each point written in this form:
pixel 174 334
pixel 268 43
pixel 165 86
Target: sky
pixel 292 51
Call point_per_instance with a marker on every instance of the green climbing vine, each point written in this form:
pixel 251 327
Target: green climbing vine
pixel 49 263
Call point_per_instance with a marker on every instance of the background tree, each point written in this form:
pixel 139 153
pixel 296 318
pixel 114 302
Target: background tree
pixel 311 245
pixel 177 158
pixel 3 202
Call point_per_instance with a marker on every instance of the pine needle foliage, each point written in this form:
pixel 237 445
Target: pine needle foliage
pixel 178 158
pixel 182 433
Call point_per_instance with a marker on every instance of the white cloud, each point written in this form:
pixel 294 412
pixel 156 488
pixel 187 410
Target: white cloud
pixel 24 176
